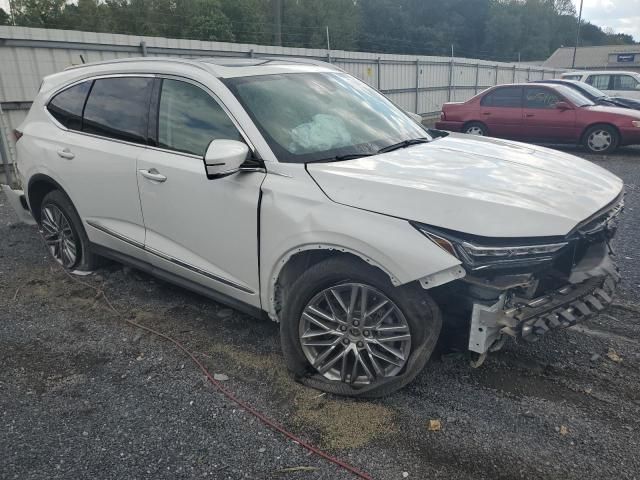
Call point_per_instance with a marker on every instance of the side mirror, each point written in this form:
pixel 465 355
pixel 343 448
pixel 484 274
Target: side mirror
pixel 224 157
pixel 415 117
pixel 563 106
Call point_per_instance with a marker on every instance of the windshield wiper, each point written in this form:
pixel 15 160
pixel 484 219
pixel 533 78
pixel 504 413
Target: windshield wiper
pixel 340 158
pixel 404 144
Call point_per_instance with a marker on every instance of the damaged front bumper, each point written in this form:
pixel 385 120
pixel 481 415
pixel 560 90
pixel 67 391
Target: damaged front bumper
pixel 590 290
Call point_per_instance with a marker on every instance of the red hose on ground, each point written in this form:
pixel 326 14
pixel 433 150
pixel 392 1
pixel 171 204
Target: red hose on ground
pixel 224 390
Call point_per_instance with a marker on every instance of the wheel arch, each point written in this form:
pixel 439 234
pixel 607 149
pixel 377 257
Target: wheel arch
pixel 39 185
pixel 595 124
pixel 295 261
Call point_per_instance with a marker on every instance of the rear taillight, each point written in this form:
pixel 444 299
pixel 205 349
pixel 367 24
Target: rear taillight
pixel 17 134
pixel 443 116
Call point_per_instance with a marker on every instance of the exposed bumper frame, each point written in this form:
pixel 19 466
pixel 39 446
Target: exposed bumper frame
pixel 530 318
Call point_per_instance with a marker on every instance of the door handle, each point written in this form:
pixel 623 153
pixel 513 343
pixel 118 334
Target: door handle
pixel 66 153
pixel 486 113
pixel 529 115
pixel 153 174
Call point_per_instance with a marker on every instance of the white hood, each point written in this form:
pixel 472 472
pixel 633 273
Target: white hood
pixel 477 185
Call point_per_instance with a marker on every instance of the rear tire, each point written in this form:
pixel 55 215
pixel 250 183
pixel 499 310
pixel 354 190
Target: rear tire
pixel 408 312
pixel 475 128
pixel 601 139
pixel 64 234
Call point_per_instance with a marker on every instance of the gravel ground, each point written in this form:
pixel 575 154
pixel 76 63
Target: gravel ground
pixel 85 395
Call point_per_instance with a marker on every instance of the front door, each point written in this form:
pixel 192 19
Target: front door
pixel 543 121
pixel 203 230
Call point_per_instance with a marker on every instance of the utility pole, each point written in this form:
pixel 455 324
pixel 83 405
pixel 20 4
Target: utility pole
pixel 575 49
pixel 328 45
pixel 277 22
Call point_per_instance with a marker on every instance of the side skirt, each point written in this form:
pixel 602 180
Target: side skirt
pixel 178 280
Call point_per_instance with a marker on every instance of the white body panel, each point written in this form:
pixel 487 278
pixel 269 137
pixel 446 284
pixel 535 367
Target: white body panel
pixel 296 216
pixel 590 78
pixel 208 224
pixel 516 190
pixel 98 178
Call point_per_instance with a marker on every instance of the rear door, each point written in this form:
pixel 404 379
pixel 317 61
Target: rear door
pixel 542 120
pixel 501 111
pixel 203 230
pixel 104 131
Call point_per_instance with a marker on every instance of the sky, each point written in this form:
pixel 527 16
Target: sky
pixel 621 15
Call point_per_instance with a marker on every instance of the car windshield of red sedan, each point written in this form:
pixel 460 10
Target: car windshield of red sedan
pixel 573 96
pixel 311 117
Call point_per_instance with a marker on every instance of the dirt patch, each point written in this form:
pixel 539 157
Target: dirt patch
pixel 341 423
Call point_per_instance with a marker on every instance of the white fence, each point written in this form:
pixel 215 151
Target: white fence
pixel 418 84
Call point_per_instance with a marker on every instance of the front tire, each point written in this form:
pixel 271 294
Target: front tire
pixel 601 139
pixel 347 330
pixel 64 234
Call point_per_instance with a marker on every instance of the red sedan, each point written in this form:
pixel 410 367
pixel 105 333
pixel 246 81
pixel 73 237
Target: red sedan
pixel 543 113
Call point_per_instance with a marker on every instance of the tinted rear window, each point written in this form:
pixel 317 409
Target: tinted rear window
pixel 503 97
pixel 118 108
pixel 66 107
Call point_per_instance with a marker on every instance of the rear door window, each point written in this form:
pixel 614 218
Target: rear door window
pixel 624 82
pixel 601 82
pixel 66 106
pixel 510 97
pixel 118 108
pixel 189 119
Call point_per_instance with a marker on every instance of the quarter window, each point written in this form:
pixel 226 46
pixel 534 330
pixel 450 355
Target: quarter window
pixel 66 107
pixel 189 119
pixel 540 98
pixel 601 82
pixel 503 97
pixel 624 82
pixel 118 108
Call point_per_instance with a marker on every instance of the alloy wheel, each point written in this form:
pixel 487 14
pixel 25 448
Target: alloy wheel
pixel 599 140
pixel 355 334
pixel 475 130
pixel 59 236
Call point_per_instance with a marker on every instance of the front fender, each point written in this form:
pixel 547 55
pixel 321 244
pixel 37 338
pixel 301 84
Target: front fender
pixel 296 216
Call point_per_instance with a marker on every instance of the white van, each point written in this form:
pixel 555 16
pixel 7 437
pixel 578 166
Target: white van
pixel 613 83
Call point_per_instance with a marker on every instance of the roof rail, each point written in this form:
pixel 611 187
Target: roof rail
pixel 187 61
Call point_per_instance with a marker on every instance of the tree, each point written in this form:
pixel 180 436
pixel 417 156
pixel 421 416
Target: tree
pixel 38 13
pixel 487 29
pixel 5 19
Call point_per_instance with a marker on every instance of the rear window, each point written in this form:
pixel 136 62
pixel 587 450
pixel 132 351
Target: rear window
pixel 66 106
pixel 118 108
pixel 503 97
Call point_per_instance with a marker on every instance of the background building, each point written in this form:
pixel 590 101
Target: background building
pixel 614 57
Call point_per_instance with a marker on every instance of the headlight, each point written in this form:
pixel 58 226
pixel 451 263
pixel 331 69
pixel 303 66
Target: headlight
pixel 491 253
pixel 635 123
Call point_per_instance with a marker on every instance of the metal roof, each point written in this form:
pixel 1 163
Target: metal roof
pixel 608 56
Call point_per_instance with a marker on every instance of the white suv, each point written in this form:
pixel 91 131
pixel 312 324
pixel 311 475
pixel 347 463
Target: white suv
pixel 613 82
pixel 294 191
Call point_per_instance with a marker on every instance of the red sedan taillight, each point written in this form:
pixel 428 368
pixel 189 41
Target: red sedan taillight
pixel 443 116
